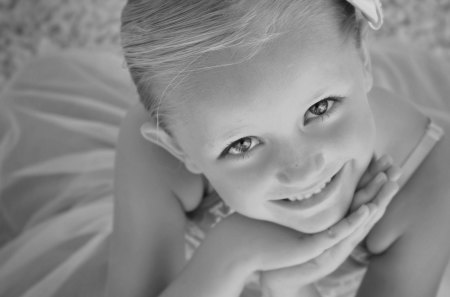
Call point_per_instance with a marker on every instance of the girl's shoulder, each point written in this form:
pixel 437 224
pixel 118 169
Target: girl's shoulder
pixel 153 192
pixel 424 200
pixel 159 171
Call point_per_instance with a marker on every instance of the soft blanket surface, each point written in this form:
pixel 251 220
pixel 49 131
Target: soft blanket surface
pixel 95 23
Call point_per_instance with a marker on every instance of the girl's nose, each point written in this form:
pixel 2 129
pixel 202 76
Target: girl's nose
pixel 301 170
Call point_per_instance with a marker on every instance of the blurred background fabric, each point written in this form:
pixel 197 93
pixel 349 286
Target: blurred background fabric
pixel 57 186
pixel 24 24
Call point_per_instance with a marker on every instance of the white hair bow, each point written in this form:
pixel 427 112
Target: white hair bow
pixel 371 10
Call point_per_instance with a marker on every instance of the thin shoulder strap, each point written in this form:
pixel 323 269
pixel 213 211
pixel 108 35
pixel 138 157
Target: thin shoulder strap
pixel 432 135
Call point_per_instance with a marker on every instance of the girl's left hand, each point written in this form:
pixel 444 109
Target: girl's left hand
pixel 378 168
pixel 376 189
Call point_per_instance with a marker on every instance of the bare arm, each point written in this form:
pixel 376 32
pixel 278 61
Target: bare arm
pixel 147 248
pixel 413 239
pixel 147 255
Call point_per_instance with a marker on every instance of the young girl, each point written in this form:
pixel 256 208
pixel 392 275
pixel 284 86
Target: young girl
pixel 261 143
pixel 264 146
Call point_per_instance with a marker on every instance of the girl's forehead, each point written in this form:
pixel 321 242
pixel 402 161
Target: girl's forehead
pixel 291 70
pixel 293 56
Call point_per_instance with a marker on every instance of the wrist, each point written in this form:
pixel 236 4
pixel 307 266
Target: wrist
pixel 212 274
pixel 217 268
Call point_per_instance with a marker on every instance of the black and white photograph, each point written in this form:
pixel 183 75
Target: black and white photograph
pixel 224 148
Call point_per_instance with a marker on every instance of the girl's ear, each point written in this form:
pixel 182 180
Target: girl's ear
pixel 151 132
pixel 365 58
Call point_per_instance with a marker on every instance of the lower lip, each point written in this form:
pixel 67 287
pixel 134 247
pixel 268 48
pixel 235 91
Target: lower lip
pixel 314 200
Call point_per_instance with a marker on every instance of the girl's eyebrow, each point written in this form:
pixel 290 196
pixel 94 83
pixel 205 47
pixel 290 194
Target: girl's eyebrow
pixel 230 134
pixel 344 87
pixel 227 136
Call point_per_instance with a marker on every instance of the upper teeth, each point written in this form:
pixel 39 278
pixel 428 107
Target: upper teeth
pixel 309 195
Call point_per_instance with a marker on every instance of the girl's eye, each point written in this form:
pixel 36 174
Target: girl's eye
pixel 319 108
pixel 322 108
pixel 240 147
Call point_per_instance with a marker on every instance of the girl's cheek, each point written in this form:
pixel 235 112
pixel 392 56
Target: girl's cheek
pixel 245 187
pixel 353 134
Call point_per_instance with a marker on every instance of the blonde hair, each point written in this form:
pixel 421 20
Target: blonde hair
pixel 162 39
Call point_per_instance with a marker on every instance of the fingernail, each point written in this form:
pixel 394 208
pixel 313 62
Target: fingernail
pixel 386 160
pixel 381 177
pixel 358 215
pixel 394 173
pixel 394 187
pixel 362 210
pixel 372 209
pixel 331 232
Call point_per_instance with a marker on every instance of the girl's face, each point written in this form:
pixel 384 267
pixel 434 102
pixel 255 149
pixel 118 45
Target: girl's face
pixel 285 136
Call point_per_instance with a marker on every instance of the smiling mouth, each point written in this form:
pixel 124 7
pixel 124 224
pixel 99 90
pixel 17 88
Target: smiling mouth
pixel 314 197
pixel 310 194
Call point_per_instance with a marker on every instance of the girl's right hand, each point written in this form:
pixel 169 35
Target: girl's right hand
pixel 249 245
pixel 268 246
pixel 376 189
pixel 240 246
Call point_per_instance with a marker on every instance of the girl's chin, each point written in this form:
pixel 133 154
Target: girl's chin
pixel 320 222
pixel 318 227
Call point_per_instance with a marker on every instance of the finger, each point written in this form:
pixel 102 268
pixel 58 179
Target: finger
pixel 341 230
pixel 311 246
pixel 356 237
pixel 366 194
pixel 337 254
pixel 379 204
pixel 385 196
pixel 394 173
pixel 375 167
pixel 314 269
pixel 288 279
pixel 378 207
pixel 361 232
pixel 368 173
